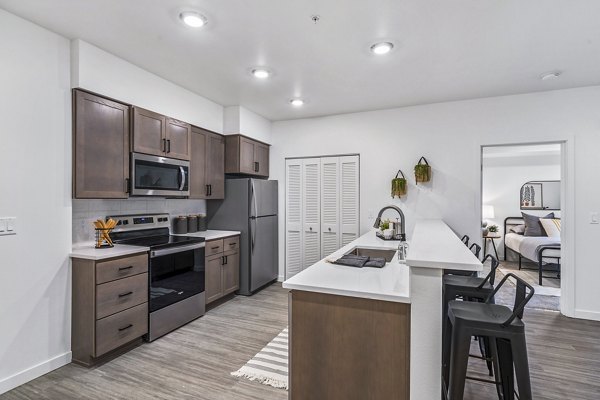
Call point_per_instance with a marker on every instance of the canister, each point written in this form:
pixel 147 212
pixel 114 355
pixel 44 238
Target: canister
pixel 180 224
pixel 192 223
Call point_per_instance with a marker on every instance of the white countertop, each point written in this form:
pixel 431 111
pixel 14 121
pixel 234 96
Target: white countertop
pixel 435 245
pixel 211 234
pixel 89 252
pixel 390 283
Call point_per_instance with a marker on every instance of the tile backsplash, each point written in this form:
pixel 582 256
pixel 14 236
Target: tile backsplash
pixel 87 211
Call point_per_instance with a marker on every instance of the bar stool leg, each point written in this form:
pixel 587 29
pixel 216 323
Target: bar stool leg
pixel 507 374
pixel 519 355
pixel 459 358
pixel 494 354
pixel 446 343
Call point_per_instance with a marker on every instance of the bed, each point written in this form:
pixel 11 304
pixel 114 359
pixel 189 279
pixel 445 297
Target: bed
pixel 542 250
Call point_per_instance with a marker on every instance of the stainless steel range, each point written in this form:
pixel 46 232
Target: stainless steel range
pixel 176 270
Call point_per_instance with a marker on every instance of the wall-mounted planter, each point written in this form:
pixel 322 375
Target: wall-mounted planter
pixel 399 185
pixel 422 171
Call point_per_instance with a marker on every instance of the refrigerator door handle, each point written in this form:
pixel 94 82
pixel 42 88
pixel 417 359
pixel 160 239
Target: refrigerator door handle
pixel 252 234
pixel 253 200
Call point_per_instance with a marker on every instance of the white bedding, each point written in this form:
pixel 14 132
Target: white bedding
pixel 527 246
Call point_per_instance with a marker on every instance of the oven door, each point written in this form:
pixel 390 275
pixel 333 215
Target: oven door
pixel 159 176
pixel 176 273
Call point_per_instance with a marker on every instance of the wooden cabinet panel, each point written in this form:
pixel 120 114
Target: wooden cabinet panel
pixel 178 135
pixel 198 164
pixel 261 157
pixel 149 132
pixel 231 243
pixel 213 274
pixel 231 272
pixel 215 166
pixel 247 156
pixel 121 328
pixel 213 247
pixel 119 268
pixel 116 296
pixel 101 147
pixel 247 162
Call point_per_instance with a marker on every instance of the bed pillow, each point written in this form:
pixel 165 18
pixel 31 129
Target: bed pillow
pixel 552 227
pixel 518 229
pixel 533 227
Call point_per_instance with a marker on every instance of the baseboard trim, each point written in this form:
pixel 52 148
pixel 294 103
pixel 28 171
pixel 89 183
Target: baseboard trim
pixel 36 371
pixel 585 314
pixel 280 278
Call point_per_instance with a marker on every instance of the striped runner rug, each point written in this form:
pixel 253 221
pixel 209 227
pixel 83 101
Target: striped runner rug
pixel 270 365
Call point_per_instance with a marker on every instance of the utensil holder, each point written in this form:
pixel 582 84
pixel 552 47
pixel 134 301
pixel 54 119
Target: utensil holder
pixel 101 238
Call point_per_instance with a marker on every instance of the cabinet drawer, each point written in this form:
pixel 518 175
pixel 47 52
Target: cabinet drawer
pixel 120 295
pixel 121 328
pixel 231 243
pixel 121 268
pixel 213 247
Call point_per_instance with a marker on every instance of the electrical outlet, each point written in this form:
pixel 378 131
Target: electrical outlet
pixel 594 219
pixel 8 226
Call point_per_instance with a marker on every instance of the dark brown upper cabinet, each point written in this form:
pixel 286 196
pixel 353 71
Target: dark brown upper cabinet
pixel 159 135
pixel 246 156
pixel 207 165
pixel 100 147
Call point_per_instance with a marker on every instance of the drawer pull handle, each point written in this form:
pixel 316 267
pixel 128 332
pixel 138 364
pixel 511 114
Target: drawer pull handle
pixel 125 328
pixel 125 268
pixel 125 294
pixel 214 248
pixel 232 244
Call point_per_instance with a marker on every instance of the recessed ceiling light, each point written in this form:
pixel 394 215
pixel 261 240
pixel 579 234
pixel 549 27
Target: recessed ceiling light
pixel 297 102
pixel 550 75
pixel 261 73
pixel 382 48
pixel 193 19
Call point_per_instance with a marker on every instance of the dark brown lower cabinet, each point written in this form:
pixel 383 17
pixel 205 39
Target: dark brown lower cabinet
pixel 348 348
pixel 109 307
pixel 222 265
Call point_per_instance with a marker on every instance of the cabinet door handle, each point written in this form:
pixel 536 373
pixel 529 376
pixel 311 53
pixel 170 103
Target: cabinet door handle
pixel 210 190
pixel 168 145
pixel 125 294
pixel 125 328
pixel 125 268
pixel 164 149
pixel 226 260
pixel 222 260
pixel 207 190
pixel 214 248
pixel 126 185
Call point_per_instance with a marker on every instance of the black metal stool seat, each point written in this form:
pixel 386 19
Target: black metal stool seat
pixel 481 315
pixel 506 332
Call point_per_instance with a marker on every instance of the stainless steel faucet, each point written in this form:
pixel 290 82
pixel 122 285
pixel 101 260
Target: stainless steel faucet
pixel 402 222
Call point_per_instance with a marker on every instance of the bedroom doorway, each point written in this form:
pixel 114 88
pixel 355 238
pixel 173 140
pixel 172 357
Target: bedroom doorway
pixel 522 190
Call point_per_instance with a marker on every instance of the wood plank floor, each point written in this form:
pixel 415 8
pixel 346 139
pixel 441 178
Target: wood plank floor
pixel 195 361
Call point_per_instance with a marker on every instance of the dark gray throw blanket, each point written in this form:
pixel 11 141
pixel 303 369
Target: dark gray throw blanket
pixel 360 261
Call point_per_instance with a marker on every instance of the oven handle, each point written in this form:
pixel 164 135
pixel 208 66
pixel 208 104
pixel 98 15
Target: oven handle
pixel 182 176
pixel 177 249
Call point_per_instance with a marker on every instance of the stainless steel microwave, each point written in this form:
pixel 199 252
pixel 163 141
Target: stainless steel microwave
pixel 159 176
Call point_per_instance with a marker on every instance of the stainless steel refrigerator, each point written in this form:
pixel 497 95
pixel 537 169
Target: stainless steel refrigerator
pixel 250 206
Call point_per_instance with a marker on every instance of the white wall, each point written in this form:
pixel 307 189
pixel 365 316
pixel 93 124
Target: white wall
pixel 35 177
pixel 101 72
pixel 502 181
pixel 450 135
pixel 237 119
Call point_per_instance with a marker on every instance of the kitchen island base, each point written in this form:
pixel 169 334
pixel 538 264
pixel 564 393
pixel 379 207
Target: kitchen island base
pixel 348 348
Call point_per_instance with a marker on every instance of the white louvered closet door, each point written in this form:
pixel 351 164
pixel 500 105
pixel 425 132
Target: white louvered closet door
pixel 330 205
pixel 293 217
pixel 311 210
pixel 349 198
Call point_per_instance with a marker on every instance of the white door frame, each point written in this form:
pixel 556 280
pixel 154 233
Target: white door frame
pixel 567 204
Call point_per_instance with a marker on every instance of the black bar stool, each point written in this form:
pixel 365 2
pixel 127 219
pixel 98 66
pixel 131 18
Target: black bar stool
pixel 476 249
pixel 465 240
pixel 506 331
pixel 469 288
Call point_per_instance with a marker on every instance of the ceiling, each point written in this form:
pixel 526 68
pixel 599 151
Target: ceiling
pixel 444 50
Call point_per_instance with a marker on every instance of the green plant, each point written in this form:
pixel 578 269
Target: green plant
pixel 422 171
pixel 385 224
pixel 493 228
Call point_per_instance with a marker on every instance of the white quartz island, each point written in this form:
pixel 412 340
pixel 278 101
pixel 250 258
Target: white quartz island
pixel 417 284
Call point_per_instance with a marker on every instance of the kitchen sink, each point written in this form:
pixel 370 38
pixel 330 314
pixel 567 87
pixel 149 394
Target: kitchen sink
pixel 388 254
